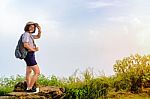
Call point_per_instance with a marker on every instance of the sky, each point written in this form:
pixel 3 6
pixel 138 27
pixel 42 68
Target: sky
pixel 76 34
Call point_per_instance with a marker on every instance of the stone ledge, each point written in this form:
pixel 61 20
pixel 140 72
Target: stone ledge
pixel 47 92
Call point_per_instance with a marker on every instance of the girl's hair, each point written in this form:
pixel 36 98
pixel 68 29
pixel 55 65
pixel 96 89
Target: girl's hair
pixel 26 28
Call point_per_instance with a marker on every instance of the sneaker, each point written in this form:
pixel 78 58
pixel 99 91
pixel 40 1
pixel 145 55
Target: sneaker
pixel 35 88
pixel 31 90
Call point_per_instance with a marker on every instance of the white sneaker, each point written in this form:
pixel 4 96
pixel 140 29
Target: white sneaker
pixel 37 90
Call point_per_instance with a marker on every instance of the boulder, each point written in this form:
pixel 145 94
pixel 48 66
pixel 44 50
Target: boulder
pixel 22 86
pixel 46 92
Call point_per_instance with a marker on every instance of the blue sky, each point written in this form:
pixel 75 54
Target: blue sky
pixel 77 34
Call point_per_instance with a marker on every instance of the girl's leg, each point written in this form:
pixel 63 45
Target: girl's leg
pixel 36 70
pixel 28 75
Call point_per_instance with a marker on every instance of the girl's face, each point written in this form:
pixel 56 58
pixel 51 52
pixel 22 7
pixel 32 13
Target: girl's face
pixel 31 28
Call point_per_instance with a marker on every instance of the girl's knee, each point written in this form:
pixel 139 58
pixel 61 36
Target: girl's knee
pixel 37 73
pixel 36 70
pixel 28 71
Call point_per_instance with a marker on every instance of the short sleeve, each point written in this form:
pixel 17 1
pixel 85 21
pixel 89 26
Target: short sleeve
pixel 25 37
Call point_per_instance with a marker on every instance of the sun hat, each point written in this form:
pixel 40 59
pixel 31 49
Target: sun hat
pixel 30 23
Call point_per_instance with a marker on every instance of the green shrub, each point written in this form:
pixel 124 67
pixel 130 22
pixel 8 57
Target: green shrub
pixel 7 83
pixel 86 88
pixel 49 81
pixel 5 90
pixel 132 71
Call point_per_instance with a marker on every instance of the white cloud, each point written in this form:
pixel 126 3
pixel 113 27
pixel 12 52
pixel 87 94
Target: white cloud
pixel 143 37
pixel 130 23
pixel 51 29
pixel 3 4
pixel 133 31
pixel 129 18
pixel 99 4
pixel 13 22
pixel 9 20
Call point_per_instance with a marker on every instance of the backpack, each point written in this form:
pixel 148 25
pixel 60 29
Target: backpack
pixel 20 51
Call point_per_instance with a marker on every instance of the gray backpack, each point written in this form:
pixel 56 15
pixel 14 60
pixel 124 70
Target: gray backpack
pixel 20 51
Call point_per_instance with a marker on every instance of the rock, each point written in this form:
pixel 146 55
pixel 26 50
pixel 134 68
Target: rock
pixel 47 92
pixel 55 92
pixel 22 86
pixel 7 97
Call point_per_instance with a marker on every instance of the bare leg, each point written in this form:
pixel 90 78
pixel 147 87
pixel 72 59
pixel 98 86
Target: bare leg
pixel 36 70
pixel 28 75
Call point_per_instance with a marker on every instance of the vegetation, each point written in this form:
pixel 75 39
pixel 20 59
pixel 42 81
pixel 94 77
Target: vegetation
pixel 133 73
pixel 7 84
pixel 132 76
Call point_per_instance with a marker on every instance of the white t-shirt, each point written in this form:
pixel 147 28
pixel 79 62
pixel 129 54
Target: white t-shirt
pixel 28 38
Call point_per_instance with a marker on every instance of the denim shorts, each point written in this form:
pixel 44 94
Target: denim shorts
pixel 30 59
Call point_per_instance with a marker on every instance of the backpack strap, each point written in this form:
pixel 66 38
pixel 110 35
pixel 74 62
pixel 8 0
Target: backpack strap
pixel 20 40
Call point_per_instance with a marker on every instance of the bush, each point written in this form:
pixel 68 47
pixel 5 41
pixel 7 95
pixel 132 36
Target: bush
pixel 132 71
pixel 49 81
pixel 7 84
pixel 5 90
pixel 86 88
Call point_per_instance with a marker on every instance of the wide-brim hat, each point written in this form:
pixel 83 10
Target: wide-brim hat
pixel 30 23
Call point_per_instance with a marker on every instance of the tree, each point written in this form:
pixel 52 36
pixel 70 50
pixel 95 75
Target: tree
pixel 135 69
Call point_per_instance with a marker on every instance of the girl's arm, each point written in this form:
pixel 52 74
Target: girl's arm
pixel 27 46
pixel 39 33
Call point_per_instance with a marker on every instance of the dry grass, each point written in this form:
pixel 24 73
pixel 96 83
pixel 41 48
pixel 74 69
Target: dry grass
pixel 128 95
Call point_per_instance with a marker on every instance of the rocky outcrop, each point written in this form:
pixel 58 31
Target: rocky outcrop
pixel 47 92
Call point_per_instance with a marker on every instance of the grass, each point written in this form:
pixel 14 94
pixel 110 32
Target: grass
pixel 84 86
pixel 5 90
pixel 127 95
pixel 7 84
pixel 134 96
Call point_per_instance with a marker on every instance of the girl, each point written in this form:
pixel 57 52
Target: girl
pixel 28 43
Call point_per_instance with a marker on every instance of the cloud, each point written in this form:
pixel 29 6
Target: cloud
pixel 119 36
pixel 8 18
pixel 13 21
pixel 3 4
pixel 135 20
pixel 128 18
pixel 132 24
pixel 99 4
